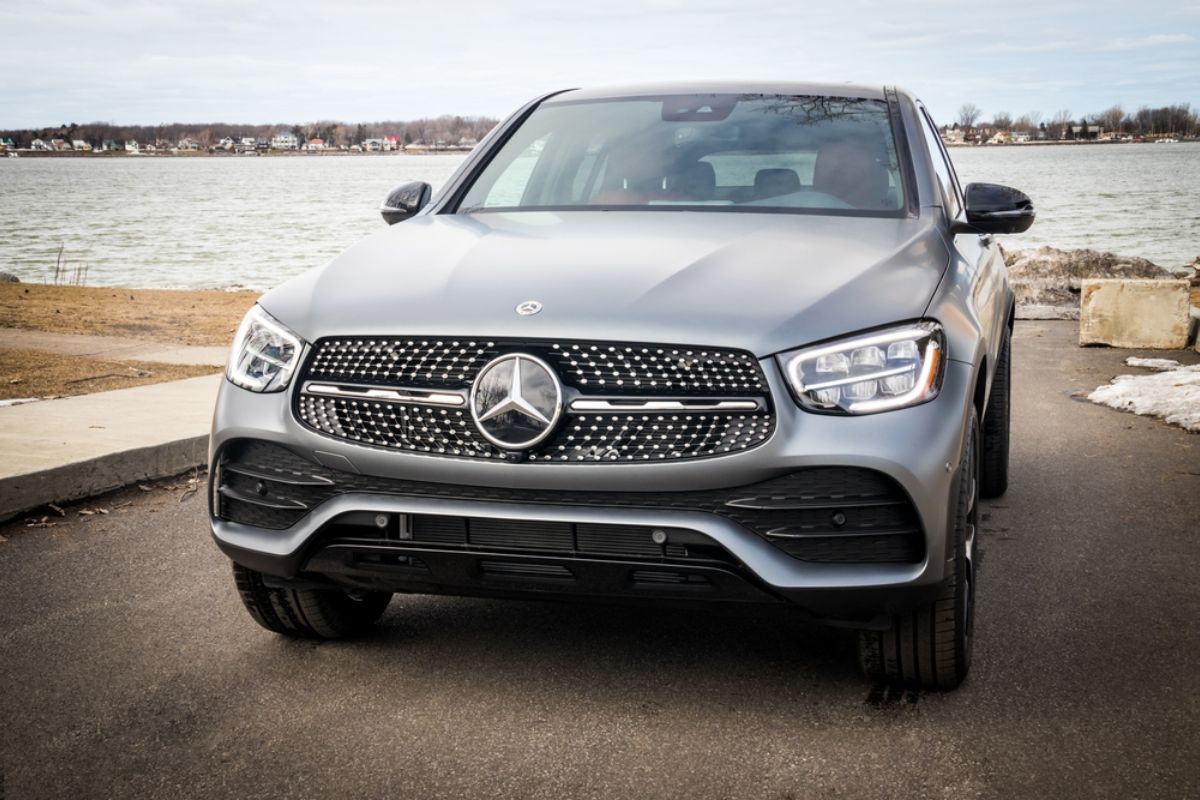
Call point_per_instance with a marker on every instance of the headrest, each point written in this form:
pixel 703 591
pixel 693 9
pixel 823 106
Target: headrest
pixel 774 182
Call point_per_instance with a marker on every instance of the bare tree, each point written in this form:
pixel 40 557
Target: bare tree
pixel 968 115
pixel 1059 123
pixel 1002 121
pixel 1110 119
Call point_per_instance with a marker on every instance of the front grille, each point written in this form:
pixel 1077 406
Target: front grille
pixel 592 369
pixel 827 514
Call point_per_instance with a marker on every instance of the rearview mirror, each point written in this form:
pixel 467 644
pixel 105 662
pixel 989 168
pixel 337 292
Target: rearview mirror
pixel 992 208
pixel 404 201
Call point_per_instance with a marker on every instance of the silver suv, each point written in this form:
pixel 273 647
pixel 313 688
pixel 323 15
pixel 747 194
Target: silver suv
pixel 678 344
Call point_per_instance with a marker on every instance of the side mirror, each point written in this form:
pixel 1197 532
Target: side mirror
pixel 404 201
pixel 992 208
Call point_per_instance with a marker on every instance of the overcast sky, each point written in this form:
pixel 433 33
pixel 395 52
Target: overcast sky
pixel 137 62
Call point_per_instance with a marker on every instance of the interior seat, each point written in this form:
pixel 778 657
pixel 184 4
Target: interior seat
pixel 851 173
pixel 697 181
pixel 775 182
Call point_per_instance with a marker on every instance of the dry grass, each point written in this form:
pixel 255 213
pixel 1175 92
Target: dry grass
pixel 33 373
pixel 192 317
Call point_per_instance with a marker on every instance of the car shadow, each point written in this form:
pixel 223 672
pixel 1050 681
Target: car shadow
pixel 528 646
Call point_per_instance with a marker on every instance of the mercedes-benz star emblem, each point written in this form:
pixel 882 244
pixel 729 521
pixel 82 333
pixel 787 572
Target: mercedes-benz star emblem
pixel 516 401
pixel 529 308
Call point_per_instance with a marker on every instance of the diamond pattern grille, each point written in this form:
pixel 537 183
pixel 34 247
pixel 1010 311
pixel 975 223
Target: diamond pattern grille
pixel 595 369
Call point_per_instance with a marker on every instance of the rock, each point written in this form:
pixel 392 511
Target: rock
pixel 1048 277
pixel 8 277
pixel 1036 311
pixel 1150 314
pixel 1195 281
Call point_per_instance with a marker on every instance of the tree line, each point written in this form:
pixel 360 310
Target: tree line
pixel 1173 120
pixel 444 130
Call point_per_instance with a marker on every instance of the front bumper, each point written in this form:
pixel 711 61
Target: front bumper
pixel 917 448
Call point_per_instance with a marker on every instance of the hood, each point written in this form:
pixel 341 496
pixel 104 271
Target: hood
pixel 759 282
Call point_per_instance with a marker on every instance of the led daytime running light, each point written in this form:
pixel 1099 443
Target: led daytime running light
pixel 873 372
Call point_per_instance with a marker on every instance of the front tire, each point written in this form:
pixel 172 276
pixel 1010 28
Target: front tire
pixel 309 613
pixel 930 647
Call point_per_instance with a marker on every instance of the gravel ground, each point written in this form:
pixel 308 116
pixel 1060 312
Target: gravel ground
pixel 36 373
pixel 179 316
pixel 130 669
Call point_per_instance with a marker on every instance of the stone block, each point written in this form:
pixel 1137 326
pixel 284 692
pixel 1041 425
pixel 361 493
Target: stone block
pixel 1136 314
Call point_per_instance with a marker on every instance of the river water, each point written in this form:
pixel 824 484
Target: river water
pixel 221 222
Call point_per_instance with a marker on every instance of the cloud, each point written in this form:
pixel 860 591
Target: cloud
pixel 146 61
pixel 1004 48
pixel 1155 40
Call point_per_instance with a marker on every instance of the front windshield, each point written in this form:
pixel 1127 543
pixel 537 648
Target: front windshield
pixel 719 152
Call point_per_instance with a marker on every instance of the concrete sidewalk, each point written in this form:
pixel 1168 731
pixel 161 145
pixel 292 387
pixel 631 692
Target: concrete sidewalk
pixel 74 447
pixel 117 348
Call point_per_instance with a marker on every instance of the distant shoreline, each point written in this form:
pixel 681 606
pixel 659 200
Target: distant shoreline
pixel 1061 142
pixel 222 154
pixel 460 152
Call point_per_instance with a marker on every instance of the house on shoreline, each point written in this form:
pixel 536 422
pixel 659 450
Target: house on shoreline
pixel 1084 132
pixel 284 140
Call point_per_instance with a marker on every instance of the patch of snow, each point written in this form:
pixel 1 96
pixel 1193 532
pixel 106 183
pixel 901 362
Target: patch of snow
pixel 1152 363
pixel 18 401
pixel 1173 394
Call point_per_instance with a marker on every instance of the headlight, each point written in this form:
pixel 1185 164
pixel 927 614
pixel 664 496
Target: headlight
pixel 878 371
pixel 264 353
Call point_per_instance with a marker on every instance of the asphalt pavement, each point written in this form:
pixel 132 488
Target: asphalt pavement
pixel 129 669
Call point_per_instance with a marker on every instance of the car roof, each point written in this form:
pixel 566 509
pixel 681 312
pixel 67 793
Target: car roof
pixel 864 91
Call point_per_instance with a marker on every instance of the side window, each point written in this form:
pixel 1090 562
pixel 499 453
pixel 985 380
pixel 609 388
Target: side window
pixel 941 166
pixel 510 185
